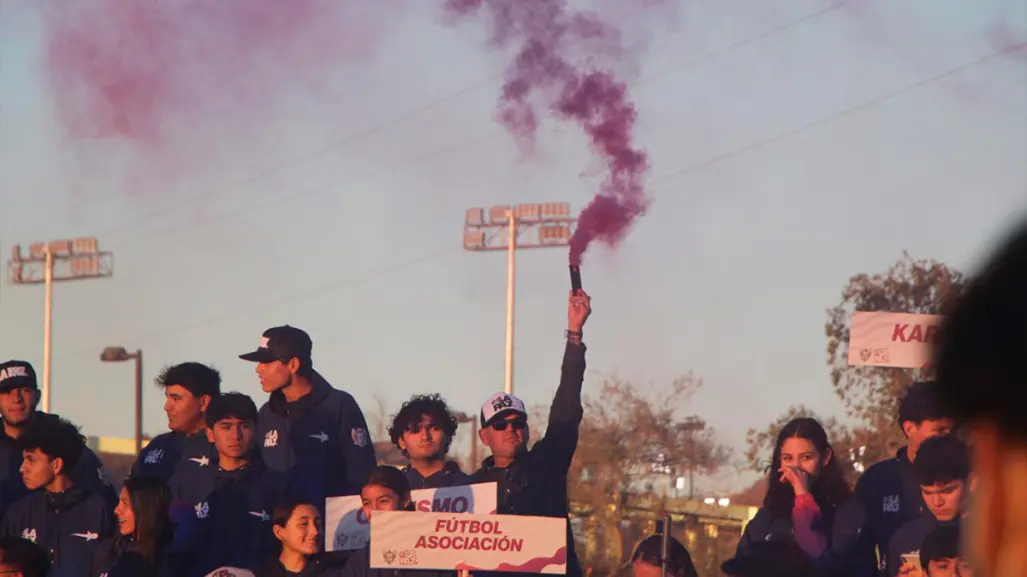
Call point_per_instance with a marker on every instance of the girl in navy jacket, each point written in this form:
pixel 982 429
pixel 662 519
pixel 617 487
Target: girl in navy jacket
pixel 809 501
pixel 144 532
pixel 299 531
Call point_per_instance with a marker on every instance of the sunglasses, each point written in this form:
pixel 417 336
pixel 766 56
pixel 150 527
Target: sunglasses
pixel 517 424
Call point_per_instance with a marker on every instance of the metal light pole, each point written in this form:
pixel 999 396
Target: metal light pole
pixel 47 263
pixel 501 231
pixel 465 418
pixel 118 355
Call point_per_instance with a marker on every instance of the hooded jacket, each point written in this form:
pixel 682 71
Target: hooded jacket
pixel 536 482
pixel 891 497
pixel 449 476
pixel 319 441
pixel 181 461
pixel 69 525
pixel 231 526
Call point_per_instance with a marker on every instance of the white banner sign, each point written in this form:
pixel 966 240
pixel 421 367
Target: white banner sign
pixel 896 340
pixel 446 542
pixel 347 528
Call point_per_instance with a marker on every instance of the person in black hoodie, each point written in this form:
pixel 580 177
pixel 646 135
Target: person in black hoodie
pixel 68 521
pixel 423 430
pixel 942 469
pixel 231 524
pixel 534 482
pixel 184 453
pixel 144 532
pixel 386 489
pixel 809 501
pixel 19 395
pixel 312 432
pixel 299 533
pixel 888 489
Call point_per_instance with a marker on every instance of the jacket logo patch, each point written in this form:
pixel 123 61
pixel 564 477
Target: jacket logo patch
pixel 88 535
pixel 891 504
pixel 262 515
pixel 271 438
pixel 359 436
pixel 322 436
pixel 153 457
pixel 202 510
pixel 201 461
pixel 29 535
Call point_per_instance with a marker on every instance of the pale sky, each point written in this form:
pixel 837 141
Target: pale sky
pixel 791 148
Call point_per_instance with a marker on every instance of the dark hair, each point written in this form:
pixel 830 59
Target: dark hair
pixel 920 403
pixel 941 543
pixel 27 557
pixel 306 369
pixel 679 562
pixel 942 460
pixel 54 437
pixel 282 513
pixel 197 378
pixel 979 354
pixel 230 405
pixel 415 409
pixel 151 501
pixel 391 478
pixel 830 488
pixel 773 558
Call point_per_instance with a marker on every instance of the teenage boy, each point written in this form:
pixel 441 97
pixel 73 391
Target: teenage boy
pixel 888 490
pixel 942 469
pixel 423 430
pixel 939 553
pixel 231 524
pixel 66 520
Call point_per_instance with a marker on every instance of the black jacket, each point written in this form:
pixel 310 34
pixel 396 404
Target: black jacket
pixel 841 526
pixel 117 558
pixel 183 462
pixel 359 565
pixel 536 482
pixel 88 472
pixel 891 497
pixel 314 568
pixel 231 526
pixel 449 476
pixel 69 525
pixel 320 441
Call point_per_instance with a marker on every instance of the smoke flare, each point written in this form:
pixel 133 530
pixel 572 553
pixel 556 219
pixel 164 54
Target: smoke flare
pixel 546 34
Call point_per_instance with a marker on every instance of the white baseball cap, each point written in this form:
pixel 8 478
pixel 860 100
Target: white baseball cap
pixel 501 404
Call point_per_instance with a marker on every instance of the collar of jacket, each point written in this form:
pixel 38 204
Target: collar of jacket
pixel 250 470
pixel 66 499
pixel 448 468
pixel 317 394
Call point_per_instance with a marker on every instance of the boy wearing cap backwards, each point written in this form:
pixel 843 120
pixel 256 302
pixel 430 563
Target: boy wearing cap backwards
pixel 19 395
pixel 314 433
pixel 66 520
pixel 423 429
pixel 183 455
pixel 534 482
pixel 889 490
pixel 942 468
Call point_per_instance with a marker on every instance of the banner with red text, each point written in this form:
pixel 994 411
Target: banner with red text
pixel 896 340
pixel 447 542
pixel 347 529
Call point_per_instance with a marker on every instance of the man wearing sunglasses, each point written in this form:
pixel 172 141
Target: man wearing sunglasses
pixel 534 482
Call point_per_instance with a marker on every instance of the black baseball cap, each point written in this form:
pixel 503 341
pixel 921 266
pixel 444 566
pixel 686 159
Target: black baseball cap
pixel 16 374
pixel 281 344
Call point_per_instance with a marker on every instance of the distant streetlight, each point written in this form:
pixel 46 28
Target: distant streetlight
pixel 120 355
pixel 553 226
pixel 465 418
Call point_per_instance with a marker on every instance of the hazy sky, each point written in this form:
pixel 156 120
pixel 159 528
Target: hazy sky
pixel 785 159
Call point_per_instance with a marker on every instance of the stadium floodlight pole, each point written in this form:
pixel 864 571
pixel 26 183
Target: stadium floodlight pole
pixel 120 355
pixel 552 225
pixel 47 263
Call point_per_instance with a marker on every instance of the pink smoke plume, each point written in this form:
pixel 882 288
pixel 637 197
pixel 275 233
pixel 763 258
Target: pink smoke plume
pixel 139 71
pixel 547 34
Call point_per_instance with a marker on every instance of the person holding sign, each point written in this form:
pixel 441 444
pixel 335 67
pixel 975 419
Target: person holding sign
pixel 534 482
pixel 386 489
pixel 423 429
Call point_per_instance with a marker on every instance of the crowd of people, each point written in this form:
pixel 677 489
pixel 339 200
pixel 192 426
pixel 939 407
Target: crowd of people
pixel 234 486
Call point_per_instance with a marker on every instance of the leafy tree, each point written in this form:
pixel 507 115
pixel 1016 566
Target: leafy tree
pixel 870 394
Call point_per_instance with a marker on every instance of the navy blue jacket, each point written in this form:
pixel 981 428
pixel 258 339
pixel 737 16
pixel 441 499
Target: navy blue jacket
pixel 841 526
pixel 320 441
pixel 314 568
pixel 449 476
pixel 536 482
pixel 69 525
pixel 891 496
pixel 183 462
pixel 231 526
pixel 88 472
pixel 117 558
